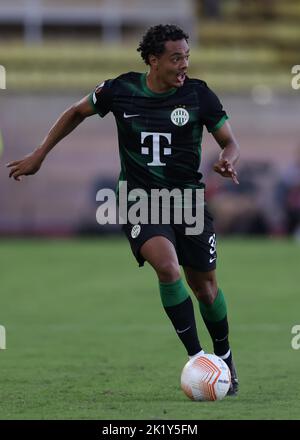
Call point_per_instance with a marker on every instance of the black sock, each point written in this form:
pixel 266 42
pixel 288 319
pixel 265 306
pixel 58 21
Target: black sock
pixel 183 320
pixel 219 334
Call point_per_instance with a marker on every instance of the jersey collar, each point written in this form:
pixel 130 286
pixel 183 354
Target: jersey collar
pixel 154 94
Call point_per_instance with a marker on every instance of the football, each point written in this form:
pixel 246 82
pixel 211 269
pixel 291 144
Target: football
pixel 205 377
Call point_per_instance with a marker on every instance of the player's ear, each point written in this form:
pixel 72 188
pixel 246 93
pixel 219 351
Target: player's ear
pixel 153 61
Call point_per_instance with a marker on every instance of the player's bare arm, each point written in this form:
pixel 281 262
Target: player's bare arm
pixel 65 124
pixel 229 154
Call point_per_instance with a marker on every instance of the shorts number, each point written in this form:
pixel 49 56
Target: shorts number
pixel 213 244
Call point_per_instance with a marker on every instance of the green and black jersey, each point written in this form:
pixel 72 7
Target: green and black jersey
pixel 159 133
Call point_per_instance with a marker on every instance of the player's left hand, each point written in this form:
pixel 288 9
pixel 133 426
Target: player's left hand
pixel 226 169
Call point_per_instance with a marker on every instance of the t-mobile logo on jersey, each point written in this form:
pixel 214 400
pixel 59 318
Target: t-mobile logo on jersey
pixel 156 147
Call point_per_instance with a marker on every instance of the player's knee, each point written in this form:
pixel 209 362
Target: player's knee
pixel 209 296
pixel 206 291
pixel 168 272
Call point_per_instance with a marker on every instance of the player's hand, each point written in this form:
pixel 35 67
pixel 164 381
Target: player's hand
pixel 226 169
pixel 27 166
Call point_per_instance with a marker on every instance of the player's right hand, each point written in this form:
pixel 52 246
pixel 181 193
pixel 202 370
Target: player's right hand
pixel 27 166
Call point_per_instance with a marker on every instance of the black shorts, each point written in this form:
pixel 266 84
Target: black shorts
pixel 195 251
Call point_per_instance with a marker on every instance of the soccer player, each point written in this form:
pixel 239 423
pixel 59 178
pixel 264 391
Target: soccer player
pixel 160 117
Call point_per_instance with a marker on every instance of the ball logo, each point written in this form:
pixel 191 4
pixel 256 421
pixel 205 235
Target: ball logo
pixel 135 231
pixel 180 116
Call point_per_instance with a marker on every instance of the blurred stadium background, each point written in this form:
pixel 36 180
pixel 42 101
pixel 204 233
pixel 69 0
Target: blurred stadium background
pixel 77 312
pixel 55 52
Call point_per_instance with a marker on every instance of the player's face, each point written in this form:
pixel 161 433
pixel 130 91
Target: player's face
pixel 171 66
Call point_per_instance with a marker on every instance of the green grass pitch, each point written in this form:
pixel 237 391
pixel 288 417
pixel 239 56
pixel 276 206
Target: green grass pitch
pixel 87 337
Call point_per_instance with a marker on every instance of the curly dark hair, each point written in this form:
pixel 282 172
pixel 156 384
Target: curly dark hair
pixel 153 42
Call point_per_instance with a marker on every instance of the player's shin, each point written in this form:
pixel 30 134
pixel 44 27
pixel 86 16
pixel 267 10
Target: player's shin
pixel 215 319
pixel 179 308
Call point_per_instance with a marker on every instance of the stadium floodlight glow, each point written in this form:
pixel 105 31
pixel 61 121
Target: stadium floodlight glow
pixel 2 338
pixel 2 77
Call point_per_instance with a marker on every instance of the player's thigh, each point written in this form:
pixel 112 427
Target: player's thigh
pixel 161 254
pixel 197 251
pixel 203 284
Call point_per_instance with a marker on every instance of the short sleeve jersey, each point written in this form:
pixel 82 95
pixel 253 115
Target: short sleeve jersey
pixel 159 133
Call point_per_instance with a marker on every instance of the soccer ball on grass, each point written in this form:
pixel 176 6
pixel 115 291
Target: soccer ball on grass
pixel 205 377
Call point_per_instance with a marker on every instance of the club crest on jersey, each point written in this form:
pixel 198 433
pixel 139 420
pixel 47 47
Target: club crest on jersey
pixel 135 231
pixel 180 116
